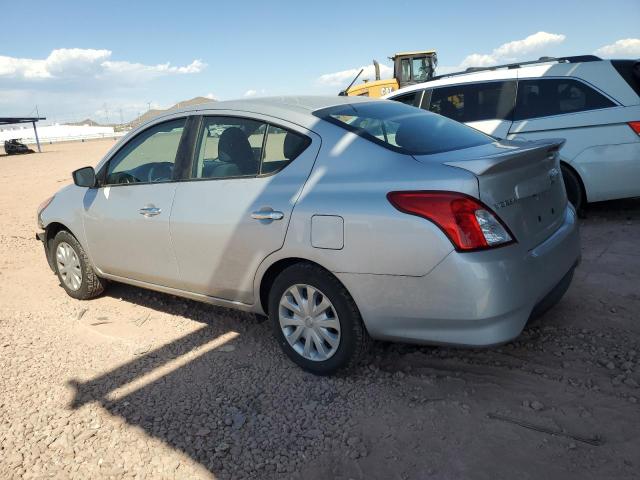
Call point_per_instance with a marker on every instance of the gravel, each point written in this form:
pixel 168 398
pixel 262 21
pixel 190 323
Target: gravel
pixel 138 384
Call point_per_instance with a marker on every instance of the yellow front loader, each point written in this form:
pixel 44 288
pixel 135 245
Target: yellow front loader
pixel 408 68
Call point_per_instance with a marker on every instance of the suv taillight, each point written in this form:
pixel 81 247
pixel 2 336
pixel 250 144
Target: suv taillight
pixel 635 126
pixel 466 221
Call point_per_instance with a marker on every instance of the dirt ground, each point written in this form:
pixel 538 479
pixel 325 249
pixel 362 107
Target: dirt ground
pixel 137 384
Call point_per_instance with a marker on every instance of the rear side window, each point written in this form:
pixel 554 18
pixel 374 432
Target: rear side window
pixel 280 148
pixel 630 71
pixel 474 102
pixel 403 129
pixel 412 98
pixel 231 147
pixel 545 97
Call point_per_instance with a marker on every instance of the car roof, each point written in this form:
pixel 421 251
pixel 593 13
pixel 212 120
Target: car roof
pixel 297 109
pixel 599 73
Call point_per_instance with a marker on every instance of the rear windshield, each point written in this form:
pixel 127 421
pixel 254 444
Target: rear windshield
pixel 403 128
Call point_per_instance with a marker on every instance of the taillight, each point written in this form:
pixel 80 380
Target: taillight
pixel 635 126
pixel 469 224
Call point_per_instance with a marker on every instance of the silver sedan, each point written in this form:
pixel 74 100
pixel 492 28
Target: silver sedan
pixel 342 219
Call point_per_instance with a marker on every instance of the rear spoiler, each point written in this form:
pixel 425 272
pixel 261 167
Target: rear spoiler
pixel 520 153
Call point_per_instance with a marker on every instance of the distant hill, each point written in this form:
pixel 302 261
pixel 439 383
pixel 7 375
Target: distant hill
pixel 148 115
pixel 193 101
pixel 82 123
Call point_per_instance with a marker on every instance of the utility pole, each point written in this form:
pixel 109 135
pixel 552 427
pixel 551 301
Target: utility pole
pixel 121 121
pixel 148 106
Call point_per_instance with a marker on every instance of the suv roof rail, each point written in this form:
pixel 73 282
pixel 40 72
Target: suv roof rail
pixel 572 59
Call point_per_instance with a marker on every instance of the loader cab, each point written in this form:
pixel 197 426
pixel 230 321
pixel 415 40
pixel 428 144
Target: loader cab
pixel 408 68
pixel 414 67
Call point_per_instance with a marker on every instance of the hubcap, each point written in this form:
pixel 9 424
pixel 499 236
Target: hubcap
pixel 69 266
pixel 309 322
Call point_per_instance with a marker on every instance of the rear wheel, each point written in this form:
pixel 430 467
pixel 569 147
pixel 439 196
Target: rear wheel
pixel 316 321
pixel 572 184
pixel 73 268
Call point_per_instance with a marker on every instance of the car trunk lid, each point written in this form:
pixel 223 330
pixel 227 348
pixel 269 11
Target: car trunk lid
pixel 520 182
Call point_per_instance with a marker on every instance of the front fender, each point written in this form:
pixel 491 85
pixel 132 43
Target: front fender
pixel 67 209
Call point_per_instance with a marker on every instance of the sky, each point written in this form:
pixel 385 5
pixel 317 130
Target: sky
pixel 114 60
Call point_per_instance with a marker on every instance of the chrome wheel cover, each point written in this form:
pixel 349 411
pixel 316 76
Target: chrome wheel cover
pixel 309 322
pixel 69 266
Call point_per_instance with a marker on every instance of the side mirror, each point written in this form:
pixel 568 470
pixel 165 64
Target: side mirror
pixel 84 177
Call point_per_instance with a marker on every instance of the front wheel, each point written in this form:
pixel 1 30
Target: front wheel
pixel 315 320
pixel 73 268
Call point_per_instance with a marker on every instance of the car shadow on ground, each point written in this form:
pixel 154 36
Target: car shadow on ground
pixel 248 411
pixel 613 209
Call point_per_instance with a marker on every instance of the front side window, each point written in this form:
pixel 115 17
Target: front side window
pixel 149 157
pixel 474 102
pixel 232 147
pixel 404 129
pixel 545 97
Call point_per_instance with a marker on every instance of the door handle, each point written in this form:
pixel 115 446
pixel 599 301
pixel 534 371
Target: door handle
pixel 267 215
pixel 150 211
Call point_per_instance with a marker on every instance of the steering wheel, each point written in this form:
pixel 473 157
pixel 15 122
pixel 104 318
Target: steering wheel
pixel 160 172
pixel 124 177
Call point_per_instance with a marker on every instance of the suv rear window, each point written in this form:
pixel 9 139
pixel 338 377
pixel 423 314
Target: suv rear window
pixel 630 71
pixel 403 129
pixel 550 96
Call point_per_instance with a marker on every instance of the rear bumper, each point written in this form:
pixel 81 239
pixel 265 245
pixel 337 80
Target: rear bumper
pixel 471 299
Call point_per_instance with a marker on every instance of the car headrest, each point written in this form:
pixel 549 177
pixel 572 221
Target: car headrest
pixel 235 148
pixel 404 137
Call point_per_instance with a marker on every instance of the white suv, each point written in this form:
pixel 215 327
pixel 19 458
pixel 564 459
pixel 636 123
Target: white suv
pixel 592 103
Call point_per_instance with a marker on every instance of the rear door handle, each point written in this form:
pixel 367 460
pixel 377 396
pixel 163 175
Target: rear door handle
pixel 150 211
pixel 267 215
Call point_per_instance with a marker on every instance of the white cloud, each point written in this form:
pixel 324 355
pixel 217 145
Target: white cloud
pixel 507 52
pixel 210 96
pixel 69 63
pixel 344 77
pixel 513 51
pixel 627 47
pixel 252 93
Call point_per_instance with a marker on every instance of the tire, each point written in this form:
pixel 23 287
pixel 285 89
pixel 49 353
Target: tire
pixel 73 256
pixel 573 186
pixel 353 341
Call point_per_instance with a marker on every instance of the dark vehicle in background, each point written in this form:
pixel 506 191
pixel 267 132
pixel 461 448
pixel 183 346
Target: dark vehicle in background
pixel 15 147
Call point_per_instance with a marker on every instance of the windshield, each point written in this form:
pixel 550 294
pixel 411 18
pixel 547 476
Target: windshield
pixel 403 128
pixel 421 69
